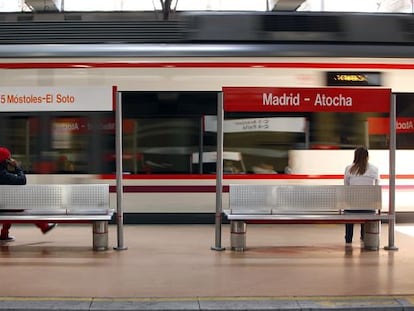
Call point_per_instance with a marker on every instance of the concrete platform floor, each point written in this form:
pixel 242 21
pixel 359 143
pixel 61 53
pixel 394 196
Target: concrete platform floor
pixel 176 263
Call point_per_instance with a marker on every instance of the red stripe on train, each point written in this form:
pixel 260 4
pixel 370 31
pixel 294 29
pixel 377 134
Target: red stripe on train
pixel 86 65
pixel 230 176
pixel 213 176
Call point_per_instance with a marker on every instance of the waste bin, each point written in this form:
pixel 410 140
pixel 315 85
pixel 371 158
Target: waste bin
pixel 238 235
pixel 372 230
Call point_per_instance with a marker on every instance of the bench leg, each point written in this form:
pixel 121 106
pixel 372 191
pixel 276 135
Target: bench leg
pixel 100 235
pixel 372 230
pixel 238 235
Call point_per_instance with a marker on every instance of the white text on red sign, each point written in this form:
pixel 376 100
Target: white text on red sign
pixel 294 99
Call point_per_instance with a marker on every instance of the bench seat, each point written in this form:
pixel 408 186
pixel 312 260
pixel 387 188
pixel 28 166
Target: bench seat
pixel 299 218
pixel 304 204
pixel 68 203
pixel 20 218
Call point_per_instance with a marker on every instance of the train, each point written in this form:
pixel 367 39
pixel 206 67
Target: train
pixel 169 113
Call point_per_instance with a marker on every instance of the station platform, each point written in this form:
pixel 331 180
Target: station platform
pixel 172 267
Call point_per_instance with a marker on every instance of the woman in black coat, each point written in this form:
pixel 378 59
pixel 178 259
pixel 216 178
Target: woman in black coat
pixel 12 174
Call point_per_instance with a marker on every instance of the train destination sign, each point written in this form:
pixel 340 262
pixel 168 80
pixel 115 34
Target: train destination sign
pixel 19 99
pixel 381 126
pixel 264 99
pixel 351 78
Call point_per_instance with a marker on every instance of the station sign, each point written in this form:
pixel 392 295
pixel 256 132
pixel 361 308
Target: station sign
pixel 268 99
pixel 26 99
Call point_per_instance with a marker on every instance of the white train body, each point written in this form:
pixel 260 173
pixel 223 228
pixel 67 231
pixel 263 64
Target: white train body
pixel 188 193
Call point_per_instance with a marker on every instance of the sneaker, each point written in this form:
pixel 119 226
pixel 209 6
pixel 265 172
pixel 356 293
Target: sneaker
pixel 50 227
pixel 7 238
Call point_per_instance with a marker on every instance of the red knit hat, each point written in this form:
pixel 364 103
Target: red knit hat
pixel 4 154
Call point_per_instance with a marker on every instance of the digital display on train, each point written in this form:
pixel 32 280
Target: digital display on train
pixel 340 78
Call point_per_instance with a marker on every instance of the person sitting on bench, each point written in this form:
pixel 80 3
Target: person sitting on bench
pixel 360 172
pixel 12 174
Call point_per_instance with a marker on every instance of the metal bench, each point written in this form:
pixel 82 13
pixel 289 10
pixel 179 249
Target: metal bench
pixel 80 203
pixel 304 204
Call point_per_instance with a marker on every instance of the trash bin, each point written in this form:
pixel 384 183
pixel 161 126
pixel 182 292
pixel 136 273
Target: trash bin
pixel 238 235
pixel 372 230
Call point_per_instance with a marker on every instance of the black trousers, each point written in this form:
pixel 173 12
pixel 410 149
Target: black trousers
pixel 349 228
pixel 349 232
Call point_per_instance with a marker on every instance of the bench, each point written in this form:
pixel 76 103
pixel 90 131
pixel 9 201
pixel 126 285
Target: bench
pixel 304 204
pixel 69 203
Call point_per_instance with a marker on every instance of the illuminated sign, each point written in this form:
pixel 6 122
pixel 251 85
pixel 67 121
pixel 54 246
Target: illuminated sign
pixel 381 126
pixel 267 99
pixel 353 79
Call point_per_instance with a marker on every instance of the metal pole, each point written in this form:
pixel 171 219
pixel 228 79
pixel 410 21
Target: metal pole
pixel 119 170
pixel 391 223
pixel 200 147
pixel 307 134
pixel 134 147
pixel 366 131
pixel 219 172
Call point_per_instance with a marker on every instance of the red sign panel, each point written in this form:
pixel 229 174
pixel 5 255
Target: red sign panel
pixel 268 99
pixel 381 126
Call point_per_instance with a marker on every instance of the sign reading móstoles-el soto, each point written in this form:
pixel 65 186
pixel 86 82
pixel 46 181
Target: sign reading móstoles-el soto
pixel 17 99
pixel 270 99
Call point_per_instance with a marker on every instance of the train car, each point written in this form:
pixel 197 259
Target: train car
pixel 169 122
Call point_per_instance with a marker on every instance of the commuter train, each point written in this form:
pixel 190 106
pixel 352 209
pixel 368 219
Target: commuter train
pixel 169 108
pixel 169 111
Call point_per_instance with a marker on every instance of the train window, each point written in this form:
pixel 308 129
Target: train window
pixel 342 130
pixel 160 145
pixel 264 142
pixel 14 131
pixel 166 128
pixel 50 143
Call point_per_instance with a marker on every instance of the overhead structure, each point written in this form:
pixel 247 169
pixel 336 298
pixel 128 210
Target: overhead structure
pixel 169 6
